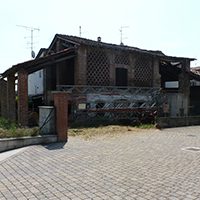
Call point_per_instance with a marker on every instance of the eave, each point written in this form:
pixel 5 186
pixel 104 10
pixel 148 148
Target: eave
pixel 40 63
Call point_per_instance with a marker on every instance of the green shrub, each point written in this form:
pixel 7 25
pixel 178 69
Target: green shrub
pixel 5 124
pixel 145 126
pixel 10 129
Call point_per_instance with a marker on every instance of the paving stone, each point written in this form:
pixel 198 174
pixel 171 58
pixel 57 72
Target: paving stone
pixel 138 165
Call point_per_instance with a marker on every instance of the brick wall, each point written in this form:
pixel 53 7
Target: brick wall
pixel 61 104
pixel 11 105
pixel 151 69
pixel 23 98
pixel 3 93
pixel 81 66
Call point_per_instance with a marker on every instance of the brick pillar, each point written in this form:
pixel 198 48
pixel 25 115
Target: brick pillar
pixel 156 73
pixel 11 105
pixel 3 96
pixel 80 65
pixel 184 82
pixel 184 78
pixel 61 104
pixel 23 98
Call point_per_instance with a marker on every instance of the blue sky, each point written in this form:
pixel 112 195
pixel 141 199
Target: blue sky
pixel 171 26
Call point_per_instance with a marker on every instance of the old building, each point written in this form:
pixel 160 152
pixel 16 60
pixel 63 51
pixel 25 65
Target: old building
pixel 76 61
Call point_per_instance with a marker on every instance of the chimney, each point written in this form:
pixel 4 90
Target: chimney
pixel 99 39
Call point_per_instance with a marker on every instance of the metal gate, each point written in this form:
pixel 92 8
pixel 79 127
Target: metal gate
pixel 112 103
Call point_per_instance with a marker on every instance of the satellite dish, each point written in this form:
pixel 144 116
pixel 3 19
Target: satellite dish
pixel 33 54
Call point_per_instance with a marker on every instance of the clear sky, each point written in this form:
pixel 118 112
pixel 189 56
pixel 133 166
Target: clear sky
pixel 171 26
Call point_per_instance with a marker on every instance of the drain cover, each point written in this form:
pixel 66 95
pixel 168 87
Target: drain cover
pixel 191 148
pixel 191 135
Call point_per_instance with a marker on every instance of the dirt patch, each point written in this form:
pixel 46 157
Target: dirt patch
pixel 88 133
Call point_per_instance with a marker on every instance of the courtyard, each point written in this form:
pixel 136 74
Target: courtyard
pixel 146 164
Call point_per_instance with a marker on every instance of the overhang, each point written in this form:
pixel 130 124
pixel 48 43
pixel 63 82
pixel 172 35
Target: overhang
pixel 42 62
pixel 174 59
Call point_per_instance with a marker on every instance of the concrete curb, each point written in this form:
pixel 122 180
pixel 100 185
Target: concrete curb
pixel 12 143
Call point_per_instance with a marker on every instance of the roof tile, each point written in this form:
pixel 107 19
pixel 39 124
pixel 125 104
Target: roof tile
pixel 89 42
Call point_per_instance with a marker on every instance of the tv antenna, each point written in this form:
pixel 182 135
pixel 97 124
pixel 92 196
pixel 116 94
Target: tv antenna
pixel 30 29
pixel 80 32
pixel 121 43
pixel 195 61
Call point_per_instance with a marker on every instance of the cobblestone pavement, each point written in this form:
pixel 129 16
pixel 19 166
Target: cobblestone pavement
pixel 135 165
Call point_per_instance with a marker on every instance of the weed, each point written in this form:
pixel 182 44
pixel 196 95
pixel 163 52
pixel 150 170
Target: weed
pixel 145 126
pixel 10 130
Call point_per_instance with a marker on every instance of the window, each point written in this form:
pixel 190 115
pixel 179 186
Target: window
pixel 121 77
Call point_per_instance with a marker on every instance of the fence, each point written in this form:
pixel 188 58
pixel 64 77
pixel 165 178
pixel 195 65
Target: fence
pixel 113 103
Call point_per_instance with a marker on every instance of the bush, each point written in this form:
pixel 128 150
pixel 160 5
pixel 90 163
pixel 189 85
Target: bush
pixel 10 129
pixel 5 124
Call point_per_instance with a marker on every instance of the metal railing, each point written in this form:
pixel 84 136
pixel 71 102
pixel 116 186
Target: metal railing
pixel 112 102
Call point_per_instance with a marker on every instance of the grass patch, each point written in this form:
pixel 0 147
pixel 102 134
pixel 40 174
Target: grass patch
pixel 145 126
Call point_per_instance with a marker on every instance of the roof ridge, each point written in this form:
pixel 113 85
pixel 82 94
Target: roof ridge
pixel 91 42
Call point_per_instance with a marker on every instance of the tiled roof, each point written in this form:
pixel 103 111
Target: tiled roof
pixel 195 70
pixel 88 42
pixel 34 65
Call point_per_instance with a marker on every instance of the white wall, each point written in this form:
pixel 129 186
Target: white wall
pixel 35 83
pixel 177 101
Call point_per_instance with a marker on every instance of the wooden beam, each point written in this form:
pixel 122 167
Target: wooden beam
pixel 45 64
pixel 40 61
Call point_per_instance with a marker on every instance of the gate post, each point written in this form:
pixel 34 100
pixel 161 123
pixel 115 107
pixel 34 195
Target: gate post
pixel 61 104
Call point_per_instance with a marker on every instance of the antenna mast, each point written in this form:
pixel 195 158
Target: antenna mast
pixel 121 43
pixel 31 29
pixel 79 31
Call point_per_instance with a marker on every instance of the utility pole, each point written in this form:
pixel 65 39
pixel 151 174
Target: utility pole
pixel 31 29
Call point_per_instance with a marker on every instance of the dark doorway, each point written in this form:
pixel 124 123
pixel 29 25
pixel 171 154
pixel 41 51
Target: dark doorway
pixel 121 77
pixel 66 72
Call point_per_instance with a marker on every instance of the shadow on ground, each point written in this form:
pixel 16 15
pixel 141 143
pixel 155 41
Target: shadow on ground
pixel 55 146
